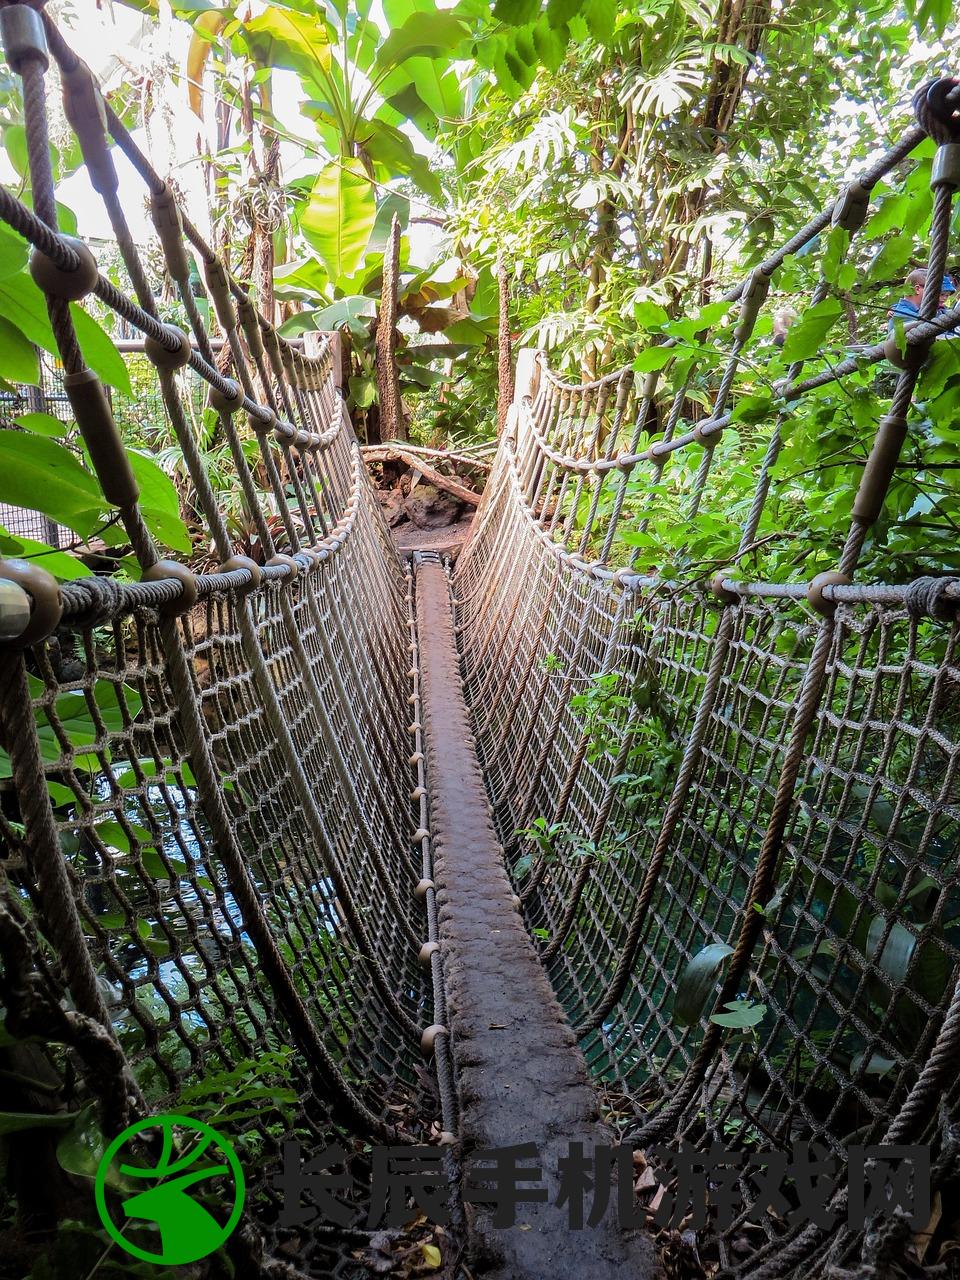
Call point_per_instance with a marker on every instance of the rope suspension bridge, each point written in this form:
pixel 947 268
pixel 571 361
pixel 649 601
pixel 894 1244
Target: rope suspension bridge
pixel 287 813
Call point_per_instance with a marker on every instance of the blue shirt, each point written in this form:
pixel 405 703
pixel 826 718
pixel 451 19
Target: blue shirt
pixel 905 308
pixel 908 311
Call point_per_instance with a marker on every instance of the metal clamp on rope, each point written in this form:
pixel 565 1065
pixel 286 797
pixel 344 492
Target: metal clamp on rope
pixel 23 36
pixel 84 107
pixel 723 593
pixel 94 416
pixel 250 323
pixel 30 604
pixel 289 363
pixel 243 562
pixel 285 432
pixel 272 344
pixel 260 425
pixel 428 1040
pixel 293 565
pixel 165 570
pixel 169 228
pixel 165 357
pixel 913 358
pixel 218 287
pixel 876 475
pixel 57 281
pixel 751 300
pixel 850 211
pixel 228 401
pixel 815 597
pixel 945 171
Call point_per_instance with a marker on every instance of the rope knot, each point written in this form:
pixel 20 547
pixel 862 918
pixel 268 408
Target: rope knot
pixel 935 114
pixel 98 601
pixel 929 598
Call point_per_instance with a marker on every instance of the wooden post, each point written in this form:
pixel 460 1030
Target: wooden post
pixel 392 425
pixel 504 365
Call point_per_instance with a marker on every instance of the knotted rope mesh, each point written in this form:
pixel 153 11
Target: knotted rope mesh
pixel 215 812
pixel 738 799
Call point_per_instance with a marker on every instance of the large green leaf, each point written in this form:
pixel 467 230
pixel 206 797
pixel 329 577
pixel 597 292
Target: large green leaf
pixel 13 252
pixel 99 352
pixel 394 151
pixel 698 982
pixel 354 313
pixel 339 217
pixel 41 424
pixel 281 38
pixel 60 563
pixel 422 35
pixel 159 502
pixel 42 475
pixel 807 336
pixel 18 356
pixel 22 303
pixel 18 1121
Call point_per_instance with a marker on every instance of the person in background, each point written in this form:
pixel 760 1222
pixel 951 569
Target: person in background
pixel 783 318
pixel 908 308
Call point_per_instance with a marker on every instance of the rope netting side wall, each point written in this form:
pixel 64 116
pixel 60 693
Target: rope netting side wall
pixel 214 813
pixel 737 800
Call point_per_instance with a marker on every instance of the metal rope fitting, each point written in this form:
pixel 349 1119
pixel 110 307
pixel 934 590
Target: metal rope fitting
pixel 218 287
pixel 165 358
pixel 850 211
pixel 23 35
pixel 227 401
pixel 428 1040
pixel 751 300
pixel 912 359
pixel 284 431
pixel 172 569
pixel 15 606
pixel 876 475
pixel 293 565
pixel 84 108
pixel 426 954
pixel 815 596
pixel 243 562
pixel 723 594
pixel 30 604
pixel 945 171
pixel 271 342
pixel 55 281
pixel 169 228
pixel 289 364
pixel 422 888
pixel 250 323
pixel 94 416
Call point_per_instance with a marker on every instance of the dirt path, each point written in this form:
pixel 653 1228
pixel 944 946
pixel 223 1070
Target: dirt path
pixel 521 1077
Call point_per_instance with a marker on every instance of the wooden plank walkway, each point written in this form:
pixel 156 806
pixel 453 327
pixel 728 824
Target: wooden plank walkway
pixel 521 1076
